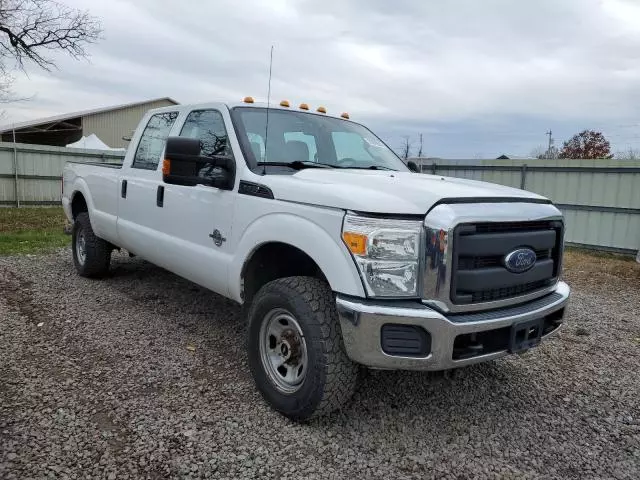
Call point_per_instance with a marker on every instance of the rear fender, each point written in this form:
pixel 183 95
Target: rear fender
pixel 80 187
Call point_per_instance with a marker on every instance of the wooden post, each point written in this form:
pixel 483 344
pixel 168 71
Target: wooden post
pixel 15 169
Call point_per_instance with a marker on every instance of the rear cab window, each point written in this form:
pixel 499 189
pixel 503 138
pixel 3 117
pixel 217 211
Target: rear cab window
pixel 350 146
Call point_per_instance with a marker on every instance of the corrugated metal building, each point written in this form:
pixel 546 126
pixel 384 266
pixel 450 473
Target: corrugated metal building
pixel 112 125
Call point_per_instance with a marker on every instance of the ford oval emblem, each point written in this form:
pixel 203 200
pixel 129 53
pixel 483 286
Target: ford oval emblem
pixel 520 260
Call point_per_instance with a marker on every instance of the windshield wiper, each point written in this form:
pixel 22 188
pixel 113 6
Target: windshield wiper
pixel 373 167
pixel 301 165
pixel 297 164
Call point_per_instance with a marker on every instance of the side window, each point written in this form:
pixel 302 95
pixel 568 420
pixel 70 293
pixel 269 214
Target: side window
pixel 208 127
pixel 153 139
pixel 350 145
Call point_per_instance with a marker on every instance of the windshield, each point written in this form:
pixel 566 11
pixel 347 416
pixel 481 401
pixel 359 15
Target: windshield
pixel 303 137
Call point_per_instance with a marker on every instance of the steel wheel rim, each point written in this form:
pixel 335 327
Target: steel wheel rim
pixel 81 247
pixel 283 350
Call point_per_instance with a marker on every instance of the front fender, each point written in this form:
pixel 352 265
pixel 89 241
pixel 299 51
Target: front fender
pixel 329 253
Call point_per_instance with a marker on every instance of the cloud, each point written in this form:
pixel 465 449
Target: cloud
pixel 495 70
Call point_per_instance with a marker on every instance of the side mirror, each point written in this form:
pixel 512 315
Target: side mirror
pixel 413 166
pixel 183 165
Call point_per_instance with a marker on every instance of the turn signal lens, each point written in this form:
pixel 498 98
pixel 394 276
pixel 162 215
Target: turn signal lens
pixel 442 241
pixel 166 167
pixel 356 243
pixel 248 100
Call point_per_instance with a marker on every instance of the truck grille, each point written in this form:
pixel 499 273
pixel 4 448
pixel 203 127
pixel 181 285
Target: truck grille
pixel 478 271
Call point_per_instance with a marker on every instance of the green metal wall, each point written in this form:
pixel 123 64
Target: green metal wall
pixel 40 171
pixel 599 198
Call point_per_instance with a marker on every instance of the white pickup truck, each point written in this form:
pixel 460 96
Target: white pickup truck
pixel 343 255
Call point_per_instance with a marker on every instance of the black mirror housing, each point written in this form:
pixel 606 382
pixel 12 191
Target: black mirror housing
pixel 183 165
pixel 413 166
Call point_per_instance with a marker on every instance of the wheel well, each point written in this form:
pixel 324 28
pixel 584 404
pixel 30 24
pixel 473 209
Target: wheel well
pixel 276 260
pixel 78 205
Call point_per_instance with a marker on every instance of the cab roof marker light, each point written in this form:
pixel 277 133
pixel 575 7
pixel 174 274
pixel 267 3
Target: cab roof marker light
pixel 321 110
pixel 345 115
pixel 303 106
pixel 285 103
pixel 247 99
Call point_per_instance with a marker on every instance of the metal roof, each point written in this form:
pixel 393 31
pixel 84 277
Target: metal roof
pixel 83 113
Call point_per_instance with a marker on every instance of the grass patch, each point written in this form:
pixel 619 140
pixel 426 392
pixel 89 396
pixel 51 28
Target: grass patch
pixel 31 230
pixel 597 269
pixel 600 254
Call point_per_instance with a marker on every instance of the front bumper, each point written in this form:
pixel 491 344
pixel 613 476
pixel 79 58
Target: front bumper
pixel 362 322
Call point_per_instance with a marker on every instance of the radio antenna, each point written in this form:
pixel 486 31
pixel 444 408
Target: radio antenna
pixel 266 125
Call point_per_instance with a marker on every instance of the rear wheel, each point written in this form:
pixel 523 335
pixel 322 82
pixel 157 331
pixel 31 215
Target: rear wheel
pixel 91 255
pixel 296 354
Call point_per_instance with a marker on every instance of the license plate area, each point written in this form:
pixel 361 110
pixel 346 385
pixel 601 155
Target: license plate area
pixel 525 335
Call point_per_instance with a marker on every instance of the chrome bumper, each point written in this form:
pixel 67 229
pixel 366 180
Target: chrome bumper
pixel 362 321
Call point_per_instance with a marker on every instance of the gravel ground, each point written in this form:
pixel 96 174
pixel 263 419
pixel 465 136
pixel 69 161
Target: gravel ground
pixel 143 375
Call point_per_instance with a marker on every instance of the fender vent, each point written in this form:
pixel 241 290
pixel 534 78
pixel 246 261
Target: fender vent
pixel 254 189
pixel 405 340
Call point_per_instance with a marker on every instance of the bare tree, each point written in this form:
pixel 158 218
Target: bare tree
pixel 420 149
pixel 32 29
pixel 542 153
pixel 538 152
pixel 629 154
pixel 405 149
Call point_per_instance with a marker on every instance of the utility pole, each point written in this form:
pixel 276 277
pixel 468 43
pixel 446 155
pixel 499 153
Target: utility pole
pixel 550 154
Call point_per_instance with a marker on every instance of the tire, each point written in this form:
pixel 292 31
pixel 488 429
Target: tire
pixel 329 377
pixel 97 252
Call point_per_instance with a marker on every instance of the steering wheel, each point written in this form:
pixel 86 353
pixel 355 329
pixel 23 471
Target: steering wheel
pixel 347 162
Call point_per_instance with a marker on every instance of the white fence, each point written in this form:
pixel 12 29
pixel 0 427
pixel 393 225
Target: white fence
pixel 599 198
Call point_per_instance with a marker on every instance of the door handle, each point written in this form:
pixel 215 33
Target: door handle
pixel 123 189
pixel 160 196
pixel 217 237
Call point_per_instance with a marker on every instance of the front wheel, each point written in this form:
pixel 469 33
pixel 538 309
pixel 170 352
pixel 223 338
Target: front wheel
pixel 296 354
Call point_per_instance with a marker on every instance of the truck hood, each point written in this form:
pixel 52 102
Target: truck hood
pixel 378 191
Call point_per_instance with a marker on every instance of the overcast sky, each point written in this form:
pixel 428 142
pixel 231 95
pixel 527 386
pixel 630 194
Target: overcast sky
pixel 477 78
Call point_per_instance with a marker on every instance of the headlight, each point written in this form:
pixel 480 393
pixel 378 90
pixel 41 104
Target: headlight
pixel 387 253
